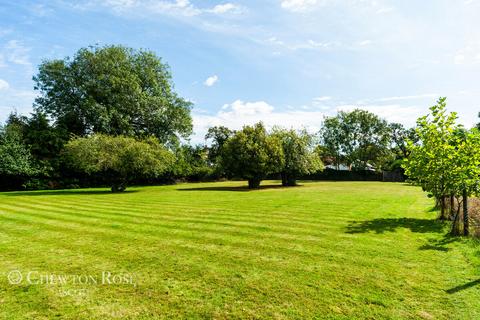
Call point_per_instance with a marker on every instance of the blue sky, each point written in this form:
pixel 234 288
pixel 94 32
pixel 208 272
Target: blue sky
pixel 286 62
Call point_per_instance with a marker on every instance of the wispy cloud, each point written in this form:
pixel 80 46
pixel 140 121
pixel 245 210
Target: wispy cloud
pixel 298 5
pixel 15 52
pixel 410 97
pixel 469 55
pixel 182 8
pixel 4 84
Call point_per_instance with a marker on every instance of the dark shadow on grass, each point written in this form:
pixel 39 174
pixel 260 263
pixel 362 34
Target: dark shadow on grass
pixel 463 286
pixel 383 225
pixel 237 188
pixel 74 192
pixel 440 245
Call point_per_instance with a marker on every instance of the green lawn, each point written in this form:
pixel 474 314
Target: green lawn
pixel 345 250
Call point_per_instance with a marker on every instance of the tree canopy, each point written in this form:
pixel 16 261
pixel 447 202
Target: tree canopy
pixel 113 90
pixel 446 159
pixel 15 157
pixel 252 154
pixel 119 159
pixel 358 138
pixel 299 156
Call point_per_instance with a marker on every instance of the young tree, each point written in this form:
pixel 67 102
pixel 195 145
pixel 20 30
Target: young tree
pixel 119 159
pixel 252 154
pixel 466 169
pixel 432 160
pixel 113 90
pixel 299 156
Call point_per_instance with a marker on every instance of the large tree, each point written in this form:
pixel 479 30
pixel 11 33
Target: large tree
pixel 252 154
pixel 119 159
pixel 358 138
pixel 298 154
pixel 113 90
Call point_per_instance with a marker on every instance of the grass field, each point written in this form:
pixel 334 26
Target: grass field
pixel 322 250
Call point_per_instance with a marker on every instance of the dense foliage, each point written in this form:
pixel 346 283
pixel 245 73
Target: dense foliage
pixel 15 157
pixel 120 158
pixel 252 154
pixel 446 160
pixel 299 156
pixel 358 139
pixel 113 90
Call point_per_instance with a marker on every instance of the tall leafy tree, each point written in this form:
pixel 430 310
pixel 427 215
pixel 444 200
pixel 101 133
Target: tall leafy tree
pixel 299 156
pixel 358 138
pixel 431 162
pixel 252 154
pixel 119 159
pixel 113 90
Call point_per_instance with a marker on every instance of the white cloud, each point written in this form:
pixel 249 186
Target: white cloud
pixel 173 7
pixel 305 44
pixel 4 84
pixel 321 99
pixel 239 113
pixel 384 10
pixel 365 43
pixel 469 55
pixel 211 81
pixel 15 52
pixel 298 5
pixel 224 8
pixel 411 97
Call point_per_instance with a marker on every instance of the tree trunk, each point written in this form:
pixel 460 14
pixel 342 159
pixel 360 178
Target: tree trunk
pixel 456 222
pixel 288 180
pixel 442 208
pixel 291 181
pixel 118 187
pixel 253 183
pixel 452 205
pixel 466 230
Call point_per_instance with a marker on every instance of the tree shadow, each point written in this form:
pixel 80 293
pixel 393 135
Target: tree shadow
pixel 237 188
pixel 463 286
pixel 383 225
pixel 440 245
pixel 76 192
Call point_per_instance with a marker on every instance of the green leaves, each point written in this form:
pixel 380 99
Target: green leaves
pixel 357 138
pixel 119 158
pixel 252 154
pixel 113 90
pixel 446 159
pixel 15 157
pixel 298 152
